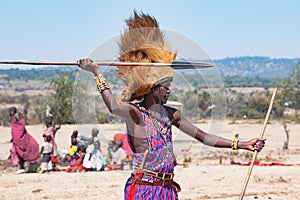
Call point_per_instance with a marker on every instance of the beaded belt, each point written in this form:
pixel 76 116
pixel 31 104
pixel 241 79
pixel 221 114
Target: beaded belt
pixel 162 176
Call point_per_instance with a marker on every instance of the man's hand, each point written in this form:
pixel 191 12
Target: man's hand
pixel 256 144
pixel 88 65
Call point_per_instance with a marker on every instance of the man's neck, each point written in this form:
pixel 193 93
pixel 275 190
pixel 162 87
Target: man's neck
pixel 149 101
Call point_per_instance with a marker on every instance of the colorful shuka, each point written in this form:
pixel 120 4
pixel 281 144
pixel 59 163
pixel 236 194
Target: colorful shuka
pixel 24 146
pixel 160 159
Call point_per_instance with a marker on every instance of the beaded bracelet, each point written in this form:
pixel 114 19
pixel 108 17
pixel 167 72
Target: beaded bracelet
pixel 234 144
pixel 101 83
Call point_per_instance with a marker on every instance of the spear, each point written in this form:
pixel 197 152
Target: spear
pixel 255 152
pixel 174 64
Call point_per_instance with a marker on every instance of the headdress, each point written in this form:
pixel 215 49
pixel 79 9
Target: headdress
pixel 143 41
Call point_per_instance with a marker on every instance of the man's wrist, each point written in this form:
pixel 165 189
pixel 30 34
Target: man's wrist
pixel 241 145
pixel 97 72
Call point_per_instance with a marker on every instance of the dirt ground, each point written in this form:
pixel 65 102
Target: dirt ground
pixel 208 173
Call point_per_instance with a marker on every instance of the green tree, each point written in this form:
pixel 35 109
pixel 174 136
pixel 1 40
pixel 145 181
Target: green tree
pixel 61 98
pixel 71 101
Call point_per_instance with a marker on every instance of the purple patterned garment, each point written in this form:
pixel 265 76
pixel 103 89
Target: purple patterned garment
pixel 160 159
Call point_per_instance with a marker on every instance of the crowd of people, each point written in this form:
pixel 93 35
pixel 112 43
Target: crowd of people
pixel 84 154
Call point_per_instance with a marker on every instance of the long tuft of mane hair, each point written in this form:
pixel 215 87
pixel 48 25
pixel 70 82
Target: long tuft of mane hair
pixel 143 41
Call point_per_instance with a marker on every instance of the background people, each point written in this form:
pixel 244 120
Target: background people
pixel 24 146
pixel 46 153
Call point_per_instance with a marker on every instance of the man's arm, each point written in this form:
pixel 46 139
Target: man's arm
pixel 213 140
pixel 123 110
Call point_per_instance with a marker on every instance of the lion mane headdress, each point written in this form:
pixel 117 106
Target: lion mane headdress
pixel 144 42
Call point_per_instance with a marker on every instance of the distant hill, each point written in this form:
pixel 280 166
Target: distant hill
pixel 255 66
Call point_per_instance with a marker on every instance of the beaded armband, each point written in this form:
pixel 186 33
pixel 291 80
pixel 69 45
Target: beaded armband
pixel 234 144
pixel 101 83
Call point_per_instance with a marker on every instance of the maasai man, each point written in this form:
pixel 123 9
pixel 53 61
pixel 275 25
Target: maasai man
pixel 24 146
pixel 148 119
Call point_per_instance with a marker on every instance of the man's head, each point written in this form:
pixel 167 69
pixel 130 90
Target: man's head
pixel 48 123
pixel 119 144
pixel 111 144
pixel 95 132
pixel 161 91
pixel 48 138
pixel 75 134
pixel 12 111
pixel 144 42
pixel 97 144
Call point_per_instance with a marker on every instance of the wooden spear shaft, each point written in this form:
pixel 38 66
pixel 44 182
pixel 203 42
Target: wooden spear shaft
pixel 255 152
pixel 144 159
pixel 174 64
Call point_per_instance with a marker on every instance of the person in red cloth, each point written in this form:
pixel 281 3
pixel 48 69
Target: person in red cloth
pixel 77 164
pixel 24 146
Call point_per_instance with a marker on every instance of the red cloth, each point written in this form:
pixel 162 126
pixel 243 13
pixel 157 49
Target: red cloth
pixel 54 159
pixel 133 187
pixel 24 145
pixel 76 168
pixel 126 146
pixel 258 163
pixel 79 160
pixel 119 137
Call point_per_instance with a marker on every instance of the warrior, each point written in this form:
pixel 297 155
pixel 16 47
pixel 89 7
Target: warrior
pixel 148 120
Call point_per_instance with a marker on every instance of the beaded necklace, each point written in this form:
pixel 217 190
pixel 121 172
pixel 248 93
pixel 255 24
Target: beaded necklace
pixel 156 122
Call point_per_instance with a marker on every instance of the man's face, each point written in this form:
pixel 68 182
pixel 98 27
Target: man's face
pixel 163 92
pixel 11 113
pixel 97 145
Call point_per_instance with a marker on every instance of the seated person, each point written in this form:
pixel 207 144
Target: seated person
pixel 110 150
pixel 77 165
pixel 93 160
pixel 118 157
pixel 72 156
pixel 125 145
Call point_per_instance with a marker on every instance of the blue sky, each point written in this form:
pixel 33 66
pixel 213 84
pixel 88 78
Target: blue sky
pixel 70 29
